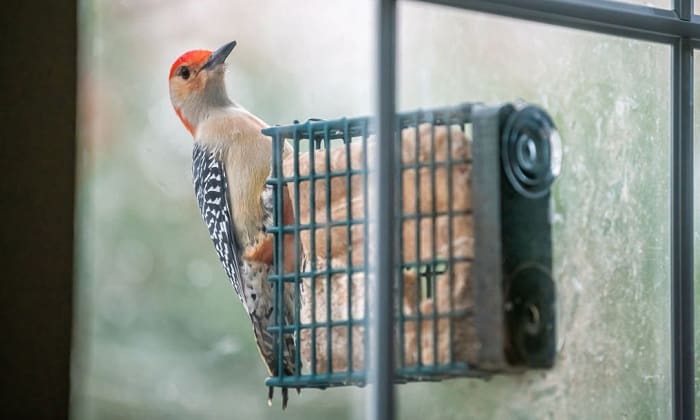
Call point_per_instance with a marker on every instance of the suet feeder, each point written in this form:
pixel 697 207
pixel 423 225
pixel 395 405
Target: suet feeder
pixel 474 291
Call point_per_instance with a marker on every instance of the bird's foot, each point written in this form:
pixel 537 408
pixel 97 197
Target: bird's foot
pixel 285 396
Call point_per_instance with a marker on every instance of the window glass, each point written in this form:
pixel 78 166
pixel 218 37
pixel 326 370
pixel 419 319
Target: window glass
pixel 160 333
pixel 610 99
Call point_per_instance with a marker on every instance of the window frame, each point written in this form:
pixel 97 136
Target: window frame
pixel 679 28
pixel 38 159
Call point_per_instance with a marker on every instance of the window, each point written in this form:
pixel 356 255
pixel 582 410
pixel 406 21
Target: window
pixel 159 333
pixel 630 21
pixel 611 238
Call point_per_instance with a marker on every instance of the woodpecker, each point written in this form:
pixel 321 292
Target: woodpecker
pixel 231 161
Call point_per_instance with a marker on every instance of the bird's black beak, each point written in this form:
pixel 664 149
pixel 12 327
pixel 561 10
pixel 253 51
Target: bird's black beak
pixel 219 56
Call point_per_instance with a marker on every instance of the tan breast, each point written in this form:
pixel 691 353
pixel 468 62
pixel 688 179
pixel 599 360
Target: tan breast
pixel 247 153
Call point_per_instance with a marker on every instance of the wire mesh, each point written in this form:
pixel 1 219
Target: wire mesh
pixel 325 175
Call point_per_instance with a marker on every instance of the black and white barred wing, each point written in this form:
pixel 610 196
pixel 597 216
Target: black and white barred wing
pixel 212 196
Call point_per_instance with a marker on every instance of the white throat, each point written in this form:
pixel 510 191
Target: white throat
pixel 197 108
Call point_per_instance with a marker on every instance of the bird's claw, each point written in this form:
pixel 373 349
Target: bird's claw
pixel 285 396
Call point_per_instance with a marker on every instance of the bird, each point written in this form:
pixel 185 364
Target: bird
pixel 231 161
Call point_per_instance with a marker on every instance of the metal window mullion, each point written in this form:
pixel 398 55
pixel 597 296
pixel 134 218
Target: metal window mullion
pixel 610 17
pixel 380 404
pixel 682 346
pixel 683 9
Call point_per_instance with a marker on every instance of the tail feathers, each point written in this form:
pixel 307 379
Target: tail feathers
pixel 265 343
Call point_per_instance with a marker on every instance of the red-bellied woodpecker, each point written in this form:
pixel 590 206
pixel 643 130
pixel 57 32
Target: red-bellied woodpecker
pixel 230 164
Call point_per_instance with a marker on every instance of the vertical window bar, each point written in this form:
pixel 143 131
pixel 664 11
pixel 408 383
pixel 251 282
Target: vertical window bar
pixel 380 404
pixel 682 225
pixel 683 8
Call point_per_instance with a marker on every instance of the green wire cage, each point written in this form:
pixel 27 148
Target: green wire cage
pixel 474 291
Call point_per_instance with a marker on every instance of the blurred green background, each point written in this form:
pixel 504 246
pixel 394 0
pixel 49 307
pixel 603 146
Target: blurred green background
pixel 159 332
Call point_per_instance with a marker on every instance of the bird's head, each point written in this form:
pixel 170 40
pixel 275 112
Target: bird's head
pixel 197 84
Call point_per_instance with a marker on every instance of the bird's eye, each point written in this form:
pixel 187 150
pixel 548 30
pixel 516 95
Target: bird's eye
pixel 184 73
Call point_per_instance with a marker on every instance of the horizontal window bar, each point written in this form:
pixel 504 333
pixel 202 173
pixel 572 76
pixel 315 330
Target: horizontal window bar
pixel 610 17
